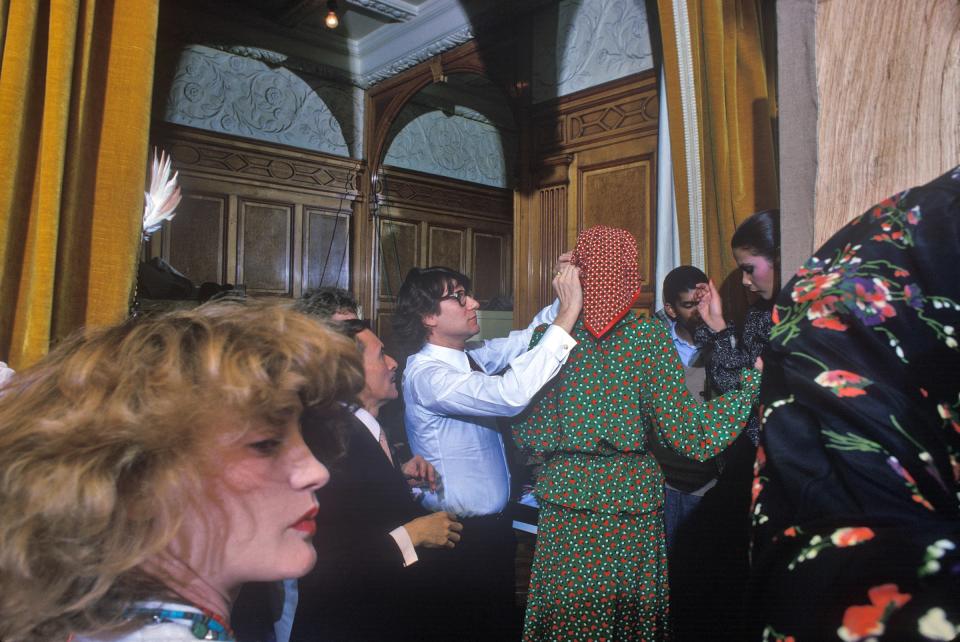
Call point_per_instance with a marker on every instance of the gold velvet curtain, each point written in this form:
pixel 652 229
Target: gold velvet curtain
pixel 720 96
pixel 76 78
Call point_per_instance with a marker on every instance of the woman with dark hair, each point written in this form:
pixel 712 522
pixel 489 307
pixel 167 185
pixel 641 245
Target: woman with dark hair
pixel 756 248
pixel 149 469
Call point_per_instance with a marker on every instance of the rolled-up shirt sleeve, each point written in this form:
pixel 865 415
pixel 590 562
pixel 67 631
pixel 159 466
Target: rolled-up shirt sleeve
pixel 446 391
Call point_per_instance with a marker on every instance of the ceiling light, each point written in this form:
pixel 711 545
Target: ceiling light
pixel 332 21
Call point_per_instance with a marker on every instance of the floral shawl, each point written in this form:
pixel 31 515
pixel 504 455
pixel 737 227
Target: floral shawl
pixel 856 514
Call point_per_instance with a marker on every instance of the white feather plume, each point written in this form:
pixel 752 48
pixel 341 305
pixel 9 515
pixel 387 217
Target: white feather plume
pixel 160 203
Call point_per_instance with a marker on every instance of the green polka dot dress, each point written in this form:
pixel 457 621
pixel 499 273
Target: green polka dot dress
pixel 600 569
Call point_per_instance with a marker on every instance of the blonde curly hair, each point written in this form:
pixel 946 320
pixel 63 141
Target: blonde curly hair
pixel 105 441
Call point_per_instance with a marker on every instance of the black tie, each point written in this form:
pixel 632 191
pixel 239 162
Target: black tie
pixel 473 364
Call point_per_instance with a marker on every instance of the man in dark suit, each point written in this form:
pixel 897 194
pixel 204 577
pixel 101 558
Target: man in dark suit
pixel 374 578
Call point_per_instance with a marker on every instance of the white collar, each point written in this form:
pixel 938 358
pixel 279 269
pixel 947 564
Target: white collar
pixel 369 421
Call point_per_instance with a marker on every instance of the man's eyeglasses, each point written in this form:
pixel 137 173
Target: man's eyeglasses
pixel 460 296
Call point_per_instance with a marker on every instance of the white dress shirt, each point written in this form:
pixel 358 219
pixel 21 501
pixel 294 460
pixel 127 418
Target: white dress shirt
pixel 399 534
pixel 451 411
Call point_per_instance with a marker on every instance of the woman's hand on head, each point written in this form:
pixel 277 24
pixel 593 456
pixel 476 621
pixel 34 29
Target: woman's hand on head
pixel 710 306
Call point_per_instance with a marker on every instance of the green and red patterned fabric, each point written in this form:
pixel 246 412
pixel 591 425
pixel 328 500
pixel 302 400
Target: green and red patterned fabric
pixel 599 560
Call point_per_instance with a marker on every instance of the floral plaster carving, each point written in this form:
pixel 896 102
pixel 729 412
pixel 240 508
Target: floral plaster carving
pixel 455 146
pixel 416 57
pixel 233 94
pixel 580 44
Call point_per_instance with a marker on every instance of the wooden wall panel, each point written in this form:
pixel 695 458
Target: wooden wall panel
pixel 619 196
pixel 196 237
pixel 553 234
pixel 491 258
pixel 265 244
pixel 284 216
pixel 888 103
pixel 326 249
pixel 427 220
pixel 592 161
pixel 447 247
pixel 399 251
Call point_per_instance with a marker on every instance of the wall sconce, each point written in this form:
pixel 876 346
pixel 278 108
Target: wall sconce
pixel 332 21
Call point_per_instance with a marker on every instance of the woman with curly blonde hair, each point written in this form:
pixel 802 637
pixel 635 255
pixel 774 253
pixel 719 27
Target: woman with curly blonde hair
pixel 149 469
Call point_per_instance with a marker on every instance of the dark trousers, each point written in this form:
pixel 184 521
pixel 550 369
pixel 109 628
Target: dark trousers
pixel 484 581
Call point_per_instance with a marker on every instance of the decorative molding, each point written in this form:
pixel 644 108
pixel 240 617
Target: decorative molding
pixel 406 189
pixel 206 155
pixel 599 115
pixel 416 56
pixel 580 44
pixel 250 97
pixel 391 9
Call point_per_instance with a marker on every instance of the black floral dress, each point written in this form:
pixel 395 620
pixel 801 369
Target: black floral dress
pixel 856 512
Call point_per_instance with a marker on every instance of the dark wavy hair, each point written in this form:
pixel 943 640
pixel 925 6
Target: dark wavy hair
pixel 681 279
pixel 419 296
pixel 326 301
pixel 760 234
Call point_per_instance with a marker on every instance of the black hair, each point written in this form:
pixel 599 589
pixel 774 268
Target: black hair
pixel 420 296
pixel 760 234
pixel 325 302
pixel 351 327
pixel 679 280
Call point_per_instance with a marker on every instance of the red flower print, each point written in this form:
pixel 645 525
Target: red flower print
pixel 860 622
pixel 811 288
pixel 843 383
pixel 851 536
pixel 791 532
pixel 830 323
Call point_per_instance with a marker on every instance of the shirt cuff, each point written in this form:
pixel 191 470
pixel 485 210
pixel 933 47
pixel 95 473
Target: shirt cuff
pixel 405 544
pixel 558 342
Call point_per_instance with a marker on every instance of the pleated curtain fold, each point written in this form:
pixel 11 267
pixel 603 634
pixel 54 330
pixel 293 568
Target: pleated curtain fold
pixel 720 94
pixel 76 78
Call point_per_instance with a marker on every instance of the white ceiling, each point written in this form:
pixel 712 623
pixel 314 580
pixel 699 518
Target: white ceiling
pixel 375 39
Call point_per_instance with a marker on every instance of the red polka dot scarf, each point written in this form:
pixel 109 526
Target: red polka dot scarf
pixel 607 258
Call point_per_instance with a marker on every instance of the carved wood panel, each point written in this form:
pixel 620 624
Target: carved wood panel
pixel 273 219
pixel 592 161
pixel 196 237
pixel 399 250
pixel 447 247
pixel 618 195
pixel 264 244
pixel 491 258
pixel 326 249
pixel 553 237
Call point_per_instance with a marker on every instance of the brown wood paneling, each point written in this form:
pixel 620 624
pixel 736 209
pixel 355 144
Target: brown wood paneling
pixel 592 161
pixel 447 247
pixel 326 249
pixel 553 234
pixel 285 215
pixel 265 244
pixel 619 196
pixel 489 266
pixel 399 249
pixel 196 237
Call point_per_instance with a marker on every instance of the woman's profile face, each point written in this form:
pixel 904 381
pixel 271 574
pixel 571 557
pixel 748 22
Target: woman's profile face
pixel 759 274
pixel 263 526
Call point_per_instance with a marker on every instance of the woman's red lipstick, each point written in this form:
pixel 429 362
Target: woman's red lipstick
pixel 308 523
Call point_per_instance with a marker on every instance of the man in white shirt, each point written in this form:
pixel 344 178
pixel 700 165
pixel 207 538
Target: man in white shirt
pixel 454 396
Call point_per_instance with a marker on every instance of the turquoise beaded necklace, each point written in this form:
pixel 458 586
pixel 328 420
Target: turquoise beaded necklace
pixel 203 625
